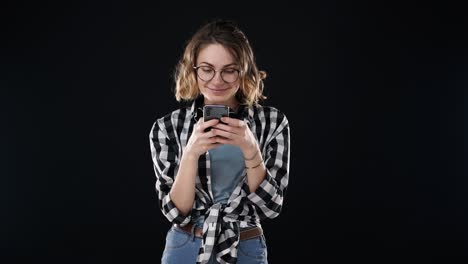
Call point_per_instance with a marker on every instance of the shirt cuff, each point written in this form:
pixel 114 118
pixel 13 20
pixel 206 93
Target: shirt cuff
pixel 265 191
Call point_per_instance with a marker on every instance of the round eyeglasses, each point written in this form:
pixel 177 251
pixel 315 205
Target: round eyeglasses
pixel 207 73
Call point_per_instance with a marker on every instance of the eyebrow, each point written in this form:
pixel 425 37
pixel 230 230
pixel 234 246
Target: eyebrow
pixel 230 64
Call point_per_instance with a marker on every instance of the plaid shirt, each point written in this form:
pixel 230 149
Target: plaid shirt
pixel 169 136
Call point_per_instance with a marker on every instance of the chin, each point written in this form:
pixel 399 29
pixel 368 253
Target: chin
pixel 217 98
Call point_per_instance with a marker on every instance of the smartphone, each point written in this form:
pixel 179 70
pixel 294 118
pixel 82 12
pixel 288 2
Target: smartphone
pixel 214 112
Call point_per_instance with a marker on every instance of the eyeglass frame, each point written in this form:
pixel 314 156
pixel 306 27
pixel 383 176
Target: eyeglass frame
pixel 239 72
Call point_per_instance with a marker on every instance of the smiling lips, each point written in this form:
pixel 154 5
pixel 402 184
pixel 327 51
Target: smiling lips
pixel 217 90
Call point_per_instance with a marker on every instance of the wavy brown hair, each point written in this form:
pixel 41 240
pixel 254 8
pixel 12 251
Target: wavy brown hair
pixel 226 33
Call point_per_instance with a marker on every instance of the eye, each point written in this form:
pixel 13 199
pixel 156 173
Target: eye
pixel 206 69
pixel 230 71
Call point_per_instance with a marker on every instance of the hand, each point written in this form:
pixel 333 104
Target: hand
pixel 236 132
pixel 200 142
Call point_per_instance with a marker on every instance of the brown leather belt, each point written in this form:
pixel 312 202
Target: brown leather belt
pixel 244 234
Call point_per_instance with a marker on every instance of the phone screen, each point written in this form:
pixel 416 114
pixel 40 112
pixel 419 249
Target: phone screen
pixel 214 111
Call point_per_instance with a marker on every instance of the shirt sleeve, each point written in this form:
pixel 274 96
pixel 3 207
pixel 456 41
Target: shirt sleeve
pixel 268 197
pixel 166 165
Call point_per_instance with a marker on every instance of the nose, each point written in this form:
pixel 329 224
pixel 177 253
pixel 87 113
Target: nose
pixel 217 79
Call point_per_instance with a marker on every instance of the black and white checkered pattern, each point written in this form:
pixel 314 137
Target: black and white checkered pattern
pixel 168 138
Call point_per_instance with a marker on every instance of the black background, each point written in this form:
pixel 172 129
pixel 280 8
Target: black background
pixel 374 94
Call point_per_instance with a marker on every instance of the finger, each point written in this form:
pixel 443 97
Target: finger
pixel 232 121
pixel 213 140
pixel 208 134
pixel 209 144
pixel 220 126
pixel 221 140
pixel 198 123
pixel 223 133
pixel 206 140
pixel 209 123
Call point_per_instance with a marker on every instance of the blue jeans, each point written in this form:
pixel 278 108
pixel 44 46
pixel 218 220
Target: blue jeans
pixel 182 248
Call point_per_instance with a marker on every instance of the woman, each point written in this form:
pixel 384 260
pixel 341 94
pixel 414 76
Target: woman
pixel 216 180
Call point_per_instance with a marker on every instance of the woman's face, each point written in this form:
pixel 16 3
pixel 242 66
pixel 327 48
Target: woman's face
pixel 221 88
